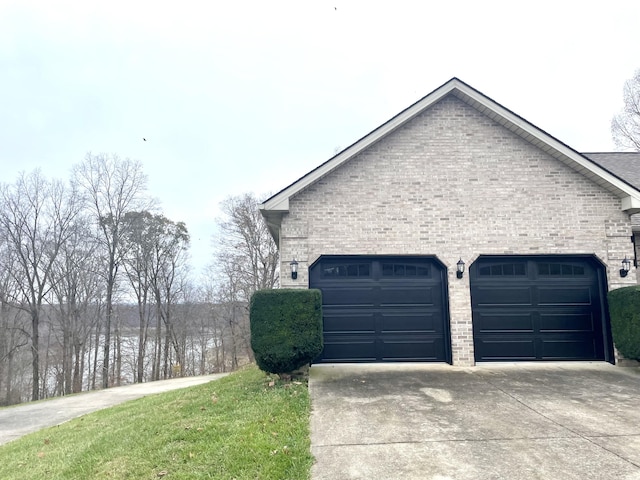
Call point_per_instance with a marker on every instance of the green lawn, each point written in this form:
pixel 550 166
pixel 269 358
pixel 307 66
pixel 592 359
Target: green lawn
pixel 243 426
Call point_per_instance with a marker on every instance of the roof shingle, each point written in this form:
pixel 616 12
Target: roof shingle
pixel 625 165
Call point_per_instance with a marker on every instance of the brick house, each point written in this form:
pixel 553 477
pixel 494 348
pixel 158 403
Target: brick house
pixel 625 165
pixel 458 182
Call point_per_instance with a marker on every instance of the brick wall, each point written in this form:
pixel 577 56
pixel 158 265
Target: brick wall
pixel 455 184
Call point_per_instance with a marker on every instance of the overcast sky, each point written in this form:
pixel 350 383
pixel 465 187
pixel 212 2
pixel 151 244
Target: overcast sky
pixel 239 96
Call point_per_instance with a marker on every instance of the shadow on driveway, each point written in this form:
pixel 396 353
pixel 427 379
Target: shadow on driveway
pixel 500 421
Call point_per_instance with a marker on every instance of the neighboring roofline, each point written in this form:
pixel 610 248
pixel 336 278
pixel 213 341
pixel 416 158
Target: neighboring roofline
pixel 274 207
pixel 607 169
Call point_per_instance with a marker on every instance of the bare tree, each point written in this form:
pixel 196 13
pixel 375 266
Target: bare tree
pixel 64 252
pixel 171 244
pixel 76 289
pixel 113 187
pixel 625 126
pixel 212 329
pixel 203 352
pixel 209 326
pixel 155 265
pixel 246 261
pixel 14 333
pixel 247 246
pixel 138 265
pixel 36 216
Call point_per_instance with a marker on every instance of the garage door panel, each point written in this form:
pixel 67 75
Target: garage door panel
pixel 407 295
pixel 490 295
pixel 505 322
pixel 427 350
pixel 414 322
pixel 558 295
pixel 571 349
pixel 350 350
pixel 407 268
pixel 566 322
pixel 349 322
pixel 348 295
pixel 508 349
pixel 387 309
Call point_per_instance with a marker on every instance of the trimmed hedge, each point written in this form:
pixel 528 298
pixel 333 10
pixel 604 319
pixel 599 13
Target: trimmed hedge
pixel 624 310
pixel 286 328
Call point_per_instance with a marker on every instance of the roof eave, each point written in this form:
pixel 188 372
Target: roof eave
pixel 279 203
pixel 631 205
pixel 273 219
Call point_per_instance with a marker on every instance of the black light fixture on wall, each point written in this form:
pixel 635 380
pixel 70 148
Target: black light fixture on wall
pixel 626 265
pixel 460 268
pixel 294 269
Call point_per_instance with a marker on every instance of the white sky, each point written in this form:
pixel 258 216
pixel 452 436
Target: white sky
pixel 240 96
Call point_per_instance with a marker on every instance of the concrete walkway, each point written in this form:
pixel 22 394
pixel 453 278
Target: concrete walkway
pixel 21 419
pixel 528 421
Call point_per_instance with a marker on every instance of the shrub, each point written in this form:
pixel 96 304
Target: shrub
pixel 286 328
pixel 624 309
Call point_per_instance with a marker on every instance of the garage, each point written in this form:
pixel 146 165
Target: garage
pixel 528 308
pixel 382 309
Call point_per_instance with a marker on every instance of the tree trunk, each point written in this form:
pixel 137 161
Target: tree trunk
pixel 44 391
pixel 157 352
pixel 8 399
pixel 35 354
pixel 165 363
pixel 67 356
pixel 221 357
pixel 118 353
pixel 112 373
pixel 107 333
pixel 5 345
pixel 234 340
pixel 77 367
pixel 203 357
pixel 142 343
pixel 96 349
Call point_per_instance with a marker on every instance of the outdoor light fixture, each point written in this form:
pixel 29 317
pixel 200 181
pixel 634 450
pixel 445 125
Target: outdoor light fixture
pixel 294 269
pixel 459 268
pixel 626 265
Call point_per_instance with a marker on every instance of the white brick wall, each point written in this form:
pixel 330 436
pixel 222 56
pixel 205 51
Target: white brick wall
pixel 453 183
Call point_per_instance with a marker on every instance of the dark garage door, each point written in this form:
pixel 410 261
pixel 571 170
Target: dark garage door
pixel 382 309
pixel 539 308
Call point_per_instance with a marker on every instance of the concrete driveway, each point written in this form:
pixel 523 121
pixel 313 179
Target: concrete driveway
pixel 21 419
pixel 500 421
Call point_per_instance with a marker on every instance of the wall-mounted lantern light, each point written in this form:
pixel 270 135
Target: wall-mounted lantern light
pixel 294 269
pixel 460 268
pixel 626 265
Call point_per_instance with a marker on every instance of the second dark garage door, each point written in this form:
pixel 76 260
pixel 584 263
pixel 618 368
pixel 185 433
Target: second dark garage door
pixel 382 309
pixel 539 308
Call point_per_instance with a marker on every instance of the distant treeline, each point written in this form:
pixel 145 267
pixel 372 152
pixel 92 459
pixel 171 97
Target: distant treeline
pixel 96 290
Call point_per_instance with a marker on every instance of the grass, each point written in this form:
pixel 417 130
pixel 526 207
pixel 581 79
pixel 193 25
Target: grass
pixel 247 425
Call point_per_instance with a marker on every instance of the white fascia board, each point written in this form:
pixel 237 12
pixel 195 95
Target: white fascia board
pixel 631 205
pixel 279 203
pixel 530 133
pixel 273 220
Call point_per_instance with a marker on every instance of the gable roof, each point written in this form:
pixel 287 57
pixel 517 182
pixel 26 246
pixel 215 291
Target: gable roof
pixel 274 207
